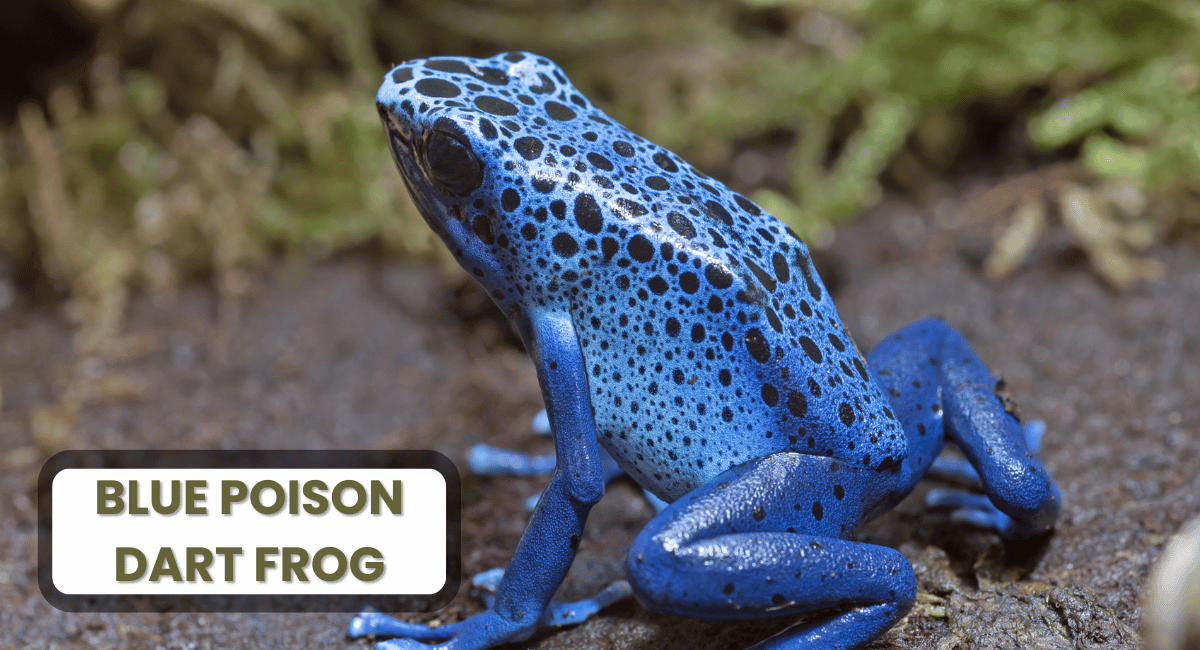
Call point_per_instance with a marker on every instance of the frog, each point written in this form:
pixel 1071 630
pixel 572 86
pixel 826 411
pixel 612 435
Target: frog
pixel 682 334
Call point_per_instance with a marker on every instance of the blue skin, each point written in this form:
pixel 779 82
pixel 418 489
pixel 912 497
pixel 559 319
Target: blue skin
pixel 682 330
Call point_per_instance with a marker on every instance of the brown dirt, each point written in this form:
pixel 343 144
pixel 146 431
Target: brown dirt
pixel 359 353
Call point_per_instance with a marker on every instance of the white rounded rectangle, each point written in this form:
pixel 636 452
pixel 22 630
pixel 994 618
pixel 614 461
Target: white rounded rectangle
pixel 407 530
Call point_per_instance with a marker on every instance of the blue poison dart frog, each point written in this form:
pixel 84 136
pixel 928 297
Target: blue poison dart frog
pixel 682 332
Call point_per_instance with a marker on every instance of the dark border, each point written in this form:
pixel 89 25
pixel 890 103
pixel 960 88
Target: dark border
pixel 257 459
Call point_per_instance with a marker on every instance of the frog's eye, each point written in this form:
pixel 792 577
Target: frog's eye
pixel 451 164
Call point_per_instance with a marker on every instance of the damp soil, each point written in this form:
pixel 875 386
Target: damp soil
pixel 361 352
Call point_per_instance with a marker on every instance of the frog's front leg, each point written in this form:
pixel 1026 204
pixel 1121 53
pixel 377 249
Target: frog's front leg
pixel 929 370
pixel 548 545
pixel 766 538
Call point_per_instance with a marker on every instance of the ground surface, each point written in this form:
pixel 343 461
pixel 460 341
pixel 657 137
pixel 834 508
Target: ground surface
pixel 361 353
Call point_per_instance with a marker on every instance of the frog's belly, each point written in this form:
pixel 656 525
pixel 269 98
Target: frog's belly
pixel 671 463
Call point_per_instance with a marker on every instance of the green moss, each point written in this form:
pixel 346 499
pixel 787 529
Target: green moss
pixel 209 130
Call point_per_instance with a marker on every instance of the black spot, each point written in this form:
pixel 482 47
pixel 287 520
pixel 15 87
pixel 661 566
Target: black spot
pixel 640 248
pixel 609 247
pixel 770 395
pixel 543 184
pixel 437 88
pixel 858 365
pixel 600 161
pixel 658 285
pixel 727 414
pixel 529 232
pixel 400 75
pixel 752 294
pixel 689 282
pixel 836 343
pixel 622 148
pixel 657 183
pixel 846 414
pixel 757 345
pixel 628 209
pixel 763 277
pixel 796 404
pixel 758 513
pixel 672 326
pixel 564 244
pixel 718 276
pixel 482 226
pixel 681 225
pixel 718 211
pixel 487 129
pixel 697 333
pixel 448 65
pixel 814 289
pixel 510 200
pixel 546 87
pixel 747 205
pixel 664 161
pixel 781 268
pixel 839 492
pixel 492 76
pixel 773 319
pixel 559 112
pixel 494 105
pixel 715 305
pixel 724 377
pixel 728 589
pixel 587 214
pixel 811 349
pixel 529 147
pixel 818 511
pixel 778 599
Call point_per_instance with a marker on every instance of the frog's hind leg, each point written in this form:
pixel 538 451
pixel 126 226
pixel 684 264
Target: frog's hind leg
pixel 978 416
pixel 954 468
pixel 765 539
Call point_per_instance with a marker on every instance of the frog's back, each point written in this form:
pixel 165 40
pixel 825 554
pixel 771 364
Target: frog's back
pixel 708 336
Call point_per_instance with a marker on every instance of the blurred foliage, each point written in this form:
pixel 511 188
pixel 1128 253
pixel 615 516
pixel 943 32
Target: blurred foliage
pixel 199 135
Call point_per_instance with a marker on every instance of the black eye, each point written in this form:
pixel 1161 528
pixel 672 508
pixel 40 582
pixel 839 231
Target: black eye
pixel 451 164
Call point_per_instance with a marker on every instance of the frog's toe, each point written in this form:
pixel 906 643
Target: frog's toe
pixel 563 614
pixel 541 423
pixel 972 509
pixel 401 644
pixel 1035 430
pixel 373 623
pixel 486 460
pixel 954 469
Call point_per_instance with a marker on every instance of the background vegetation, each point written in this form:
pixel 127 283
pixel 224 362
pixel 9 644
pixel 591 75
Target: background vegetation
pixel 145 141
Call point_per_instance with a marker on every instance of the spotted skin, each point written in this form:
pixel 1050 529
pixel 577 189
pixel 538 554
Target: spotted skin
pixel 683 330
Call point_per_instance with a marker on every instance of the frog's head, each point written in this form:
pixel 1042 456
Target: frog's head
pixel 468 137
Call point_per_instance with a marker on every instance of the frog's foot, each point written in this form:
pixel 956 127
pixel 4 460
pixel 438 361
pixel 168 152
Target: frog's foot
pixel 371 623
pixel 959 470
pixel 973 510
pixel 557 614
pixel 484 630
